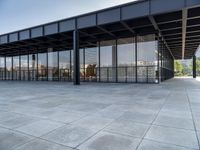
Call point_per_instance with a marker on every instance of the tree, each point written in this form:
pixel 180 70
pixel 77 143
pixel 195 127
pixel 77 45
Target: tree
pixel 178 68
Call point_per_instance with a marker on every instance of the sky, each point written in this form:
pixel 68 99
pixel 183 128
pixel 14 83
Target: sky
pixel 20 14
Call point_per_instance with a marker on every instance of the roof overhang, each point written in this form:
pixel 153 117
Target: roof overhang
pixel 176 21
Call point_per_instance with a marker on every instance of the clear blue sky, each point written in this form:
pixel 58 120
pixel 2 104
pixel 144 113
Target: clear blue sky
pixel 20 14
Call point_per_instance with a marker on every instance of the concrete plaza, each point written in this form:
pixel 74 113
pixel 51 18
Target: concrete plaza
pixel 100 116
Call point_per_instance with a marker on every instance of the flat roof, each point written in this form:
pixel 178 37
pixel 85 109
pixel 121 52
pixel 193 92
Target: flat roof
pixel 177 22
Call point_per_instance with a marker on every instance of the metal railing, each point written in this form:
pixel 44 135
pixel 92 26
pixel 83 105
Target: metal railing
pixel 121 74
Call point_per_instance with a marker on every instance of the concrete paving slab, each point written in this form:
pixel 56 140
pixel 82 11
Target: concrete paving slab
pixel 39 128
pixel 186 138
pixel 110 141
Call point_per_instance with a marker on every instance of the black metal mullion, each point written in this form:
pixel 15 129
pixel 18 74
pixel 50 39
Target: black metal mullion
pixel 99 53
pixel 116 44
pixel 12 67
pixel 84 63
pixel 47 68
pixel 136 73
pixel 58 63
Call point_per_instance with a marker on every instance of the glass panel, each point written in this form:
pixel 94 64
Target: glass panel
pixel 24 67
pixel 126 60
pixel 42 66
pixel 147 59
pixel 72 64
pixel 82 67
pixel 2 68
pixel 64 65
pixel 53 73
pixel 8 68
pixel 16 68
pixel 91 59
pixel 32 66
pixel 108 61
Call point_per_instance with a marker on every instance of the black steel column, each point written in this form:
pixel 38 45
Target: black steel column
pixel 99 61
pixel 12 67
pixel 70 62
pixel 47 68
pixel 5 69
pixel 84 71
pixel 58 59
pixel 116 55
pixel 20 78
pixel 194 67
pixel 28 68
pixel 76 57
pixel 136 74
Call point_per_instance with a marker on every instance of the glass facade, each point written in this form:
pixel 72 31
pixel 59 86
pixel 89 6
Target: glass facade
pixel 42 71
pixel 24 67
pixel 91 64
pixel 147 61
pixel 8 68
pixel 32 66
pixel 53 72
pixel 141 59
pixel 2 68
pixel 126 54
pixel 65 65
pixel 108 61
pixel 16 68
pixel 166 62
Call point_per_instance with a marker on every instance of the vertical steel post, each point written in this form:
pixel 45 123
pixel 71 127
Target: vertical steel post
pixel 12 67
pixel 136 74
pixel 194 67
pixel 20 78
pixel 99 52
pixel 76 57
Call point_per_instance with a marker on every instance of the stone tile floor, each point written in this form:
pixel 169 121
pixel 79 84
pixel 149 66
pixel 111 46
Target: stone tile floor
pixel 97 116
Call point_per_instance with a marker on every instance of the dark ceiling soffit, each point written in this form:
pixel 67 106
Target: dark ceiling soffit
pixel 124 12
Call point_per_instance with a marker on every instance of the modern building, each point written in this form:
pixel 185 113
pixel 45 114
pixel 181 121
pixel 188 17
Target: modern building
pixel 135 42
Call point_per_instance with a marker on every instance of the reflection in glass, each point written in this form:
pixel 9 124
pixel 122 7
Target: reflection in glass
pixel 126 60
pixel 24 67
pixel 82 66
pixel 147 58
pixel 42 66
pixel 91 59
pixel 32 66
pixel 64 65
pixel 108 61
pixel 8 68
pixel 53 73
pixel 2 68
pixel 16 68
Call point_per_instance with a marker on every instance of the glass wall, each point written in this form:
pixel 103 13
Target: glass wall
pixel 16 68
pixel 32 66
pixel 24 67
pixel 147 60
pixel 82 64
pixel 65 65
pixel 2 68
pixel 126 69
pixel 42 67
pixel 91 61
pixel 166 62
pixel 53 72
pixel 133 59
pixel 8 68
pixel 108 61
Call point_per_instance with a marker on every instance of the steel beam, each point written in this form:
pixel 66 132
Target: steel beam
pixel 184 30
pixel 76 67
pixel 153 21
